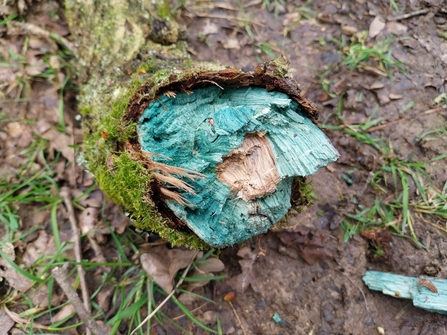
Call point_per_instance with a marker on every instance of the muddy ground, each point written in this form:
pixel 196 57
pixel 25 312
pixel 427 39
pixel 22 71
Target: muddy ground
pixel 322 294
pixel 329 296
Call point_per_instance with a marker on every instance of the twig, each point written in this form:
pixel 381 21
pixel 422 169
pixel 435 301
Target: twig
pixel 407 16
pixel 193 311
pixel 237 317
pixel 382 126
pixel 65 194
pixel 361 291
pixel 17 319
pixel 434 110
pixel 61 276
pixel 169 295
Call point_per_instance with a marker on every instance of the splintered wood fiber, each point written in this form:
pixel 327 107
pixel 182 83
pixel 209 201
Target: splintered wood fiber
pixel 247 142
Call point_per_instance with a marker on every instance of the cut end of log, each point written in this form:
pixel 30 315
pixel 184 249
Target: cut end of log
pixel 208 156
pixel 250 170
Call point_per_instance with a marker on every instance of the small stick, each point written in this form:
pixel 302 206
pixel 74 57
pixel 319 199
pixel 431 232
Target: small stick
pixel 237 317
pixel 407 16
pixel 65 194
pixel 61 276
pixel 361 291
pixel 372 129
pixel 434 110
pixel 169 295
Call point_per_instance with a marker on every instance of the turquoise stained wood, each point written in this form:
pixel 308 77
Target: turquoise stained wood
pixel 195 131
pixel 411 288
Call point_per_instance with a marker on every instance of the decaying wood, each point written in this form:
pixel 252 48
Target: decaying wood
pixel 250 169
pixel 131 55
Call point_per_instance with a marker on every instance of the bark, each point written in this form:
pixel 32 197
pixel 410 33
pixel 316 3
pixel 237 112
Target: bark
pixel 130 54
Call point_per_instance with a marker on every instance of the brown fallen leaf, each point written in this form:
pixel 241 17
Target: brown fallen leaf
pixel 162 264
pixel 63 313
pixel 88 219
pixel 6 323
pixel 307 242
pixel 205 269
pixel 104 298
pixel 43 245
pixel 19 282
pixel 60 142
pixel 249 275
pixel 376 26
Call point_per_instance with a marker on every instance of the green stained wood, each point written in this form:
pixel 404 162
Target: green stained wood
pixel 426 292
pixel 195 131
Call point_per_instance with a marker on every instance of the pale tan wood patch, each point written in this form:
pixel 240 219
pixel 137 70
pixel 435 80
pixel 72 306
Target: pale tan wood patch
pixel 250 169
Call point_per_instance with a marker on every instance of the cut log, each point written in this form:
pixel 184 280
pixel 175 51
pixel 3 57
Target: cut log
pixel 426 292
pixel 201 154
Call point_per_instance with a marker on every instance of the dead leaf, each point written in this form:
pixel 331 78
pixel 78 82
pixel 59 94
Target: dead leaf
pixel 376 85
pixel 14 129
pixel 396 28
pixel 21 283
pixel 308 243
pixel 249 275
pixel 376 26
pixel 393 96
pixel 35 67
pixel 205 269
pixel 88 219
pixel 43 245
pixel 63 313
pixel 104 298
pixel 231 43
pixel 6 323
pixel 162 264
pixel 60 142
pixel 93 199
pixel 210 28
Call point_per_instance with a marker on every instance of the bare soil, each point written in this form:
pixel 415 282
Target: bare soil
pixel 328 296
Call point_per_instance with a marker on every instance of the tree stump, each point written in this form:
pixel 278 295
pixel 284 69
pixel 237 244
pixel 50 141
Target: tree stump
pixel 201 154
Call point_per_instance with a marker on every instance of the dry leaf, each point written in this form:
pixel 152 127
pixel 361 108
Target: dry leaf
pixel 63 313
pixel 249 275
pixel 162 264
pixel 204 269
pixel 88 219
pixel 21 283
pixel 104 298
pixel 6 323
pixel 308 243
pixel 93 199
pixel 210 28
pixel 43 245
pixel 60 142
pixel 376 26
pixel 232 43
pixel 35 67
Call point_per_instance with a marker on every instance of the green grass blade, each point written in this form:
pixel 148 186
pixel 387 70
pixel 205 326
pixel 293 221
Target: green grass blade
pixel 191 316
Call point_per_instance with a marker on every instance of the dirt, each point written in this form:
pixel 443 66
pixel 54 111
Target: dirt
pixel 329 297
pixel 322 293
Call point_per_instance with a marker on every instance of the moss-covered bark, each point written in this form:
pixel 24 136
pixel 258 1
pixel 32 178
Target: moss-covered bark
pixel 128 53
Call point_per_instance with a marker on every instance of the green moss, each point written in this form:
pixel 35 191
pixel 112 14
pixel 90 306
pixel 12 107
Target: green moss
pixel 164 10
pixel 127 183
